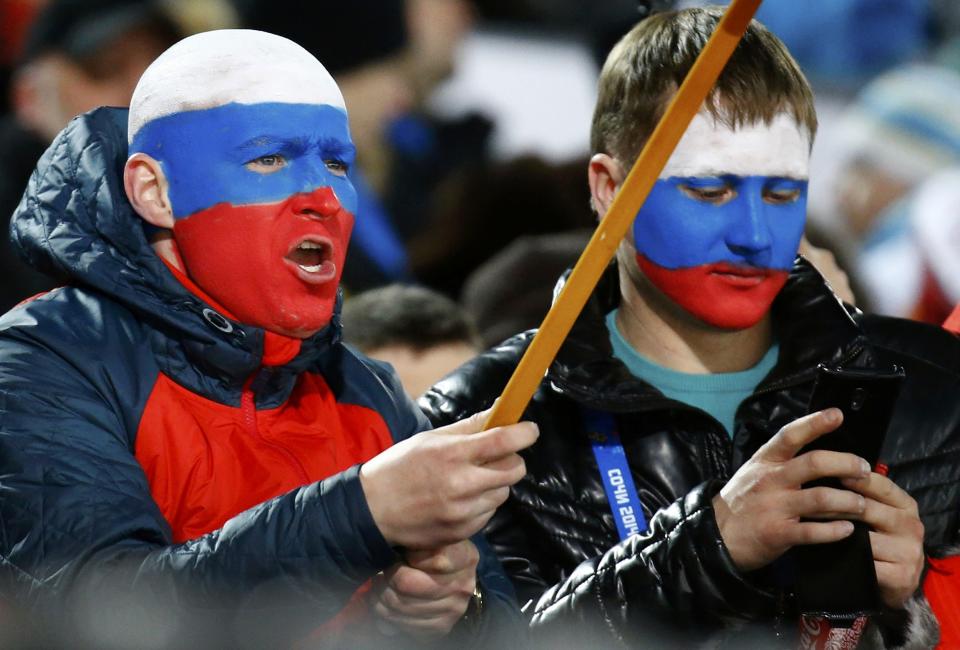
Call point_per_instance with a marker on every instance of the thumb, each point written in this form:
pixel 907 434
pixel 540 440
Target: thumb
pixel 468 425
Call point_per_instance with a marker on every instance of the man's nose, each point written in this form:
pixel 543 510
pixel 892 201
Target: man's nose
pixel 321 203
pixel 750 237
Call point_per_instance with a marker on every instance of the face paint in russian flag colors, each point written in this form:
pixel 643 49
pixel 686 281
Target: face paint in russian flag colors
pixel 263 206
pixel 251 132
pixel 721 227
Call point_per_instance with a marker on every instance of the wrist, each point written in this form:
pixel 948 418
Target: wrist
pixel 721 514
pixel 721 511
pixel 380 518
pixel 474 613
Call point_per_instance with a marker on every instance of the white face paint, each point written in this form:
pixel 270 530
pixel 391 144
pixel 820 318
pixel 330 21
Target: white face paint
pixel 710 148
pixel 231 65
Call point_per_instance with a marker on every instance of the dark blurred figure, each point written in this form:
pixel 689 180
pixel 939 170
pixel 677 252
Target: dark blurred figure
pixel 945 20
pixel 387 56
pixel 822 249
pixel 599 24
pixel 511 292
pixel 78 54
pixel 15 16
pixel 480 214
pixel 421 333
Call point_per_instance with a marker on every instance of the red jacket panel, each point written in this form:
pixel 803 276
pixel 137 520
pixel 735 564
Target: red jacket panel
pixel 206 462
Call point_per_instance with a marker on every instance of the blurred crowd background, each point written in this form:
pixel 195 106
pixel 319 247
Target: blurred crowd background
pixel 471 119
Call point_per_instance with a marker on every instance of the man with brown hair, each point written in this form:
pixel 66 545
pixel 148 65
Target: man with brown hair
pixel 680 396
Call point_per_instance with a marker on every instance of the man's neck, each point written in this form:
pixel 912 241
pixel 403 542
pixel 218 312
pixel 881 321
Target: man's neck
pixel 164 246
pixel 662 332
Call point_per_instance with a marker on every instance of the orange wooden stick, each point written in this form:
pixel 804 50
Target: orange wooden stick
pixel 611 230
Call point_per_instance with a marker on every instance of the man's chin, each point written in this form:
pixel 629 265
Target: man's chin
pixel 718 300
pixel 740 318
pixel 296 334
pixel 297 318
pixel 729 308
pixel 299 326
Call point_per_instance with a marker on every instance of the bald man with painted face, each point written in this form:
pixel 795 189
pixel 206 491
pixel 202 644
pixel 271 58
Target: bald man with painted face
pixel 189 456
pixel 670 487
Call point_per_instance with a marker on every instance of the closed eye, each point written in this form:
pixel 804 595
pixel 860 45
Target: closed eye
pixel 268 164
pixel 712 194
pixel 783 191
pixel 781 196
pixel 337 167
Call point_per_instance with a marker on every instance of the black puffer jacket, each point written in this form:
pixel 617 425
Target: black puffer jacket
pixel 556 535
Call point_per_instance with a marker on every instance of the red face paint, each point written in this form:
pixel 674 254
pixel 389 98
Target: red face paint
pixel 275 265
pixel 720 294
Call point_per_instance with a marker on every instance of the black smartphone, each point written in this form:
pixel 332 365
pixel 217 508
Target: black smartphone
pixel 838 580
pixel 867 398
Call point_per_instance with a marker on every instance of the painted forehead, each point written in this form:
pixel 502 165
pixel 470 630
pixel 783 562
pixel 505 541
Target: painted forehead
pixel 710 148
pixel 239 66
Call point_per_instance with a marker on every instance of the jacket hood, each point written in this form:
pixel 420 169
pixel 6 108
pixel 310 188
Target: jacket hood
pixel 75 220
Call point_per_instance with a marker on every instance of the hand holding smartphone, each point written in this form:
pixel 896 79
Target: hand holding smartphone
pixel 838 580
pixel 867 398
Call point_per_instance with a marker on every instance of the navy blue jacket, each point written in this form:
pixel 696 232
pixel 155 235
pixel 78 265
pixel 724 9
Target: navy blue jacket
pixel 83 541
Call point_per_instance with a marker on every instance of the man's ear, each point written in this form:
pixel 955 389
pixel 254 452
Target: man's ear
pixel 146 187
pixel 605 175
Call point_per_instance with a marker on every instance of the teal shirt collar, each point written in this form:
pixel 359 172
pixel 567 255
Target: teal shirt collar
pixel 719 394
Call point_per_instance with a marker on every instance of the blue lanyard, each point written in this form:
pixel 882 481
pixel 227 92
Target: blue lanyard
pixel 615 473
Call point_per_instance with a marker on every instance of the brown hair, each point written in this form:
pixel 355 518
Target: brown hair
pixel 644 70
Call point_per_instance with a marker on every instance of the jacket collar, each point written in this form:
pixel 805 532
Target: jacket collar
pixel 810 323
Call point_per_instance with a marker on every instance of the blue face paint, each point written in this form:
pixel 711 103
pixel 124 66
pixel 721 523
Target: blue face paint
pixel 263 206
pixel 754 221
pixel 721 246
pixel 205 153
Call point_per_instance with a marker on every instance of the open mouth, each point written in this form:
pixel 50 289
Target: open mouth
pixel 313 260
pixel 310 255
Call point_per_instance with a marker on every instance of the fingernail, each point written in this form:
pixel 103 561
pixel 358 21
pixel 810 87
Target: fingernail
pixel 864 468
pixel 861 504
pixel 833 415
pixel 847 527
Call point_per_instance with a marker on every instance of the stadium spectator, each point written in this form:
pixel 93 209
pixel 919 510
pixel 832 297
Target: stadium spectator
pixel 189 456
pixel 421 333
pixel 77 55
pixel 689 373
